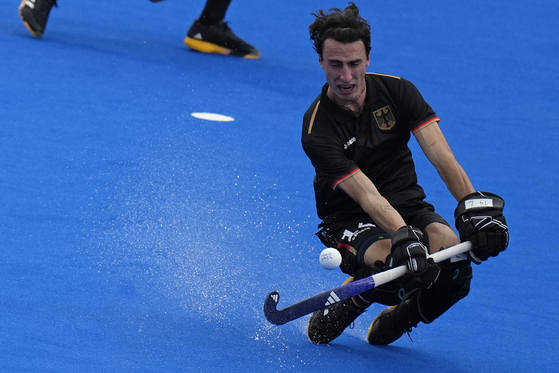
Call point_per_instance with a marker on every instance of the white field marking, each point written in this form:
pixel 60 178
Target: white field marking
pixel 213 117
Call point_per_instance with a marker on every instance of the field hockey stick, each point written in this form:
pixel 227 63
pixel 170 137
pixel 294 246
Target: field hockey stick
pixel 330 297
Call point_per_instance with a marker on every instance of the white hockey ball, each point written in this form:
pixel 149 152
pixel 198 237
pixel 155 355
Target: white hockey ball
pixel 330 258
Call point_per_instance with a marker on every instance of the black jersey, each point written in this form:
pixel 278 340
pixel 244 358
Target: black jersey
pixel 339 143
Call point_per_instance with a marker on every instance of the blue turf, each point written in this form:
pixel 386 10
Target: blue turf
pixel 136 238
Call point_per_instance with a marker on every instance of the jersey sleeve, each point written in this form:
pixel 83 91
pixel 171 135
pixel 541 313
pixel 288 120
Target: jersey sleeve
pixel 330 164
pixel 418 112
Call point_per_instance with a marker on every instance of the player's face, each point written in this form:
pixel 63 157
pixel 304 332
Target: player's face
pixel 345 67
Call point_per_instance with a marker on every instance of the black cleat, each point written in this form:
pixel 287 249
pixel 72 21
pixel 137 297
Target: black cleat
pixel 390 324
pixel 218 39
pixel 35 14
pixel 328 324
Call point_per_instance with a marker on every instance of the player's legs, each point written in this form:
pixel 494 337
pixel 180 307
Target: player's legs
pixel 211 34
pixel 440 236
pixel 364 248
pixel 355 240
pixel 214 11
pixel 35 14
pixel 425 305
pixel 379 250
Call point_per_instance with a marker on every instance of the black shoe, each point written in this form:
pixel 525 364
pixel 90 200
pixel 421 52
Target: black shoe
pixel 35 14
pixel 328 324
pixel 391 324
pixel 218 39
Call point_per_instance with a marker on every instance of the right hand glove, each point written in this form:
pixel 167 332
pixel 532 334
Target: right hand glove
pixel 480 220
pixel 408 249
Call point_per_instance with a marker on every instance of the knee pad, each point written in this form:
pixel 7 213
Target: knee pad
pixel 453 284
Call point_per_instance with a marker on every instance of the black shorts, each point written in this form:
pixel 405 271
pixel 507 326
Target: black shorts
pixel 360 232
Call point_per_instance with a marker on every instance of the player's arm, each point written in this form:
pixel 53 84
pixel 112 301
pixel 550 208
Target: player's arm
pixel 479 215
pixel 435 147
pixel 364 192
pixel 406 246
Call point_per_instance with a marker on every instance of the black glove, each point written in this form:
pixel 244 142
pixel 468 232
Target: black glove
pixel 480 220
pixel 407 248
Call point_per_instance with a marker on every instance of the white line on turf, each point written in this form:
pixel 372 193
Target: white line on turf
pixel 213 117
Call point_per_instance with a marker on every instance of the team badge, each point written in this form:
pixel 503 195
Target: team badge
pixel 385 119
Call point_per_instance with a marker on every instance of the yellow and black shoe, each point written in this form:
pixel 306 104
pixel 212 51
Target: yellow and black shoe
pixel 220 39
pixel 35 14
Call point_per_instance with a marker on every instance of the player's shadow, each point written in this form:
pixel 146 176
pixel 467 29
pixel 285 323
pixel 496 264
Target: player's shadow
pixel 397 358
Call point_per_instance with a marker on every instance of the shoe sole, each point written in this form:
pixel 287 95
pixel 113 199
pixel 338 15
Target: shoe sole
pixel 205 47
pixel 33 32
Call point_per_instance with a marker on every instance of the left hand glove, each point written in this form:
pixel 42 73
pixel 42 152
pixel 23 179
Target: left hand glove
pixel 480 220
pixel 407 248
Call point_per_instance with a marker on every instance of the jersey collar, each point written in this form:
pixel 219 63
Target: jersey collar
pixel 339 114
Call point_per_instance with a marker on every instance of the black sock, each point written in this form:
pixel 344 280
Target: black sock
pixel 214 12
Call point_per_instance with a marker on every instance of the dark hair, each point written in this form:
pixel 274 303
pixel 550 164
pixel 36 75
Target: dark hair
pixel 344 26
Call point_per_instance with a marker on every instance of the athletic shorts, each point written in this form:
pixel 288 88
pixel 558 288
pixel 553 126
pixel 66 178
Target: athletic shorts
pixel 360 232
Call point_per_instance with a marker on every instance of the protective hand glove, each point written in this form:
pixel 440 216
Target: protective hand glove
pixel 480 220
pixel 407 248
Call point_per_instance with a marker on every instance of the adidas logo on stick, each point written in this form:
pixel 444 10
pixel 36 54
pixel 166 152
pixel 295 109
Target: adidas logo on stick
pixel 333 298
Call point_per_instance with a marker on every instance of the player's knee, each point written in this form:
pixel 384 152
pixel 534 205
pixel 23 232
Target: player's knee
pixel 440 236
pixel 376 251
pixel 365 254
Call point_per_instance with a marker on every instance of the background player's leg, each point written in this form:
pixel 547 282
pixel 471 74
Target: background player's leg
pixel 211 34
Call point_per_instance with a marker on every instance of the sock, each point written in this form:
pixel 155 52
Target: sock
pixel 214 12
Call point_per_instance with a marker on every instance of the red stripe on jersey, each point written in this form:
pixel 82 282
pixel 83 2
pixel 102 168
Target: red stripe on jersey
pixel 345 178
pixel 435 119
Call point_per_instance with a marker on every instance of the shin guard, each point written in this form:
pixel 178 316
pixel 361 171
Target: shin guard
pixel 452 285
